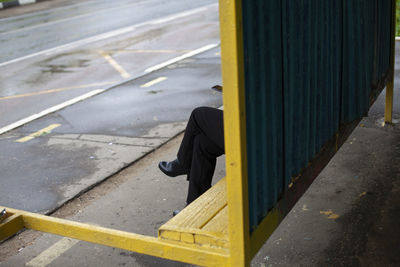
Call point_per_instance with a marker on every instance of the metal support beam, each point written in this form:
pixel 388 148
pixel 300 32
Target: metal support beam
pixel 235 124
pixel 204 256
pixel 10 226
pixel 390 84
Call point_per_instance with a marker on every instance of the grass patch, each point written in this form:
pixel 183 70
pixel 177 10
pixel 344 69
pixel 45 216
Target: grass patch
pixel 397 18
pixel 2 1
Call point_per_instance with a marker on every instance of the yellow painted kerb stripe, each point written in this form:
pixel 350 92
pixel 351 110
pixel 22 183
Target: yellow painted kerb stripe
pixel 43 131
pixel 153 82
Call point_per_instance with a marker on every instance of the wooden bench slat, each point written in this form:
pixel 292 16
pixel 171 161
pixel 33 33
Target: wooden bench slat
pixel 203 222
pixel 199 212
pixel 218 223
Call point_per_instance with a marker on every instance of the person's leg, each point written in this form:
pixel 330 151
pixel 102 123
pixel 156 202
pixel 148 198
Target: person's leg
pixel 203 120
pixel 205 153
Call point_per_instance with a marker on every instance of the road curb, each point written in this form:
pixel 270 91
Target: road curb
pixel 18 3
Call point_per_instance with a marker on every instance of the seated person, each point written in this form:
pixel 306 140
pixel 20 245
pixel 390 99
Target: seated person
pixel 202 143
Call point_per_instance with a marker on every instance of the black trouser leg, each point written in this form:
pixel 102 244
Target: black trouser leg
pixel 202 143
pixel 205 153
pixel 203 120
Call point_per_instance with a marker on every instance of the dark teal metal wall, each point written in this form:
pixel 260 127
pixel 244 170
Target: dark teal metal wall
pixel 310 66
pixel 264 104
pixel 366 53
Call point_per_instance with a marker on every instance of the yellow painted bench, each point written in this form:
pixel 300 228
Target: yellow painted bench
pixel 204 222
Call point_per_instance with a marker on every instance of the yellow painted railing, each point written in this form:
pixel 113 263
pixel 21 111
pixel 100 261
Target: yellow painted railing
pixel 205 256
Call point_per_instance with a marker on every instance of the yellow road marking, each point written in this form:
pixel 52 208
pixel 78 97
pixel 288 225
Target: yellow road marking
pixel 46 130
pixel 55 90
pixel 115 65
pixel 52 253
pixel 153 82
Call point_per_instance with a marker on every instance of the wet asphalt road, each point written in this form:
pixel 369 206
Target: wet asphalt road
pixel 93 48
pixel 31 33
pixel 136 112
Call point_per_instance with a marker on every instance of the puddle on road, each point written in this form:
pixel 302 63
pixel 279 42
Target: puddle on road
pixel 60 64
pixel 153 92
pixel 65 62
pixel 65 68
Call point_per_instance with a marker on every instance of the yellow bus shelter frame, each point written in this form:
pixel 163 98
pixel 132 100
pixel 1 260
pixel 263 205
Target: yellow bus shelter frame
pixel 17 220
pixel 242 246
pixel 232 61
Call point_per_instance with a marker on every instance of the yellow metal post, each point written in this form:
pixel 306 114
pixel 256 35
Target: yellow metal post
pixel 11 226
pixel 390 84
pixel 235 130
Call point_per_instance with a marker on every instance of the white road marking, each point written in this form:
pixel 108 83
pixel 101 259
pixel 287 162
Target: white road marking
pixel 105 35
pixel 156 51
pixel 181 15
pixel 23 2
pixel 153 82
pixel 49 110
pixel 176 59
pixel 44 24
pixel 52 253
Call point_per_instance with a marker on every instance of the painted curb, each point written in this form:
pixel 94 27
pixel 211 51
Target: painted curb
pixel 18 3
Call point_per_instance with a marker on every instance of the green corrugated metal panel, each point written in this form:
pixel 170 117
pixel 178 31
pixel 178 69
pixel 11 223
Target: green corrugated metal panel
pixel 311 56
pixel 310 65
pixel 382 57
pixel 366 53
pixel 263 69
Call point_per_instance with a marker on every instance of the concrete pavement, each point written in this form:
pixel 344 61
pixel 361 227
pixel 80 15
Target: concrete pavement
pixel 138 199
pixel 350 215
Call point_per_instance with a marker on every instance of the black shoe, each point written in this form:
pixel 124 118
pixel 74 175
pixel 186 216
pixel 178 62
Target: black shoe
pixel 172 168
pixel 175 212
